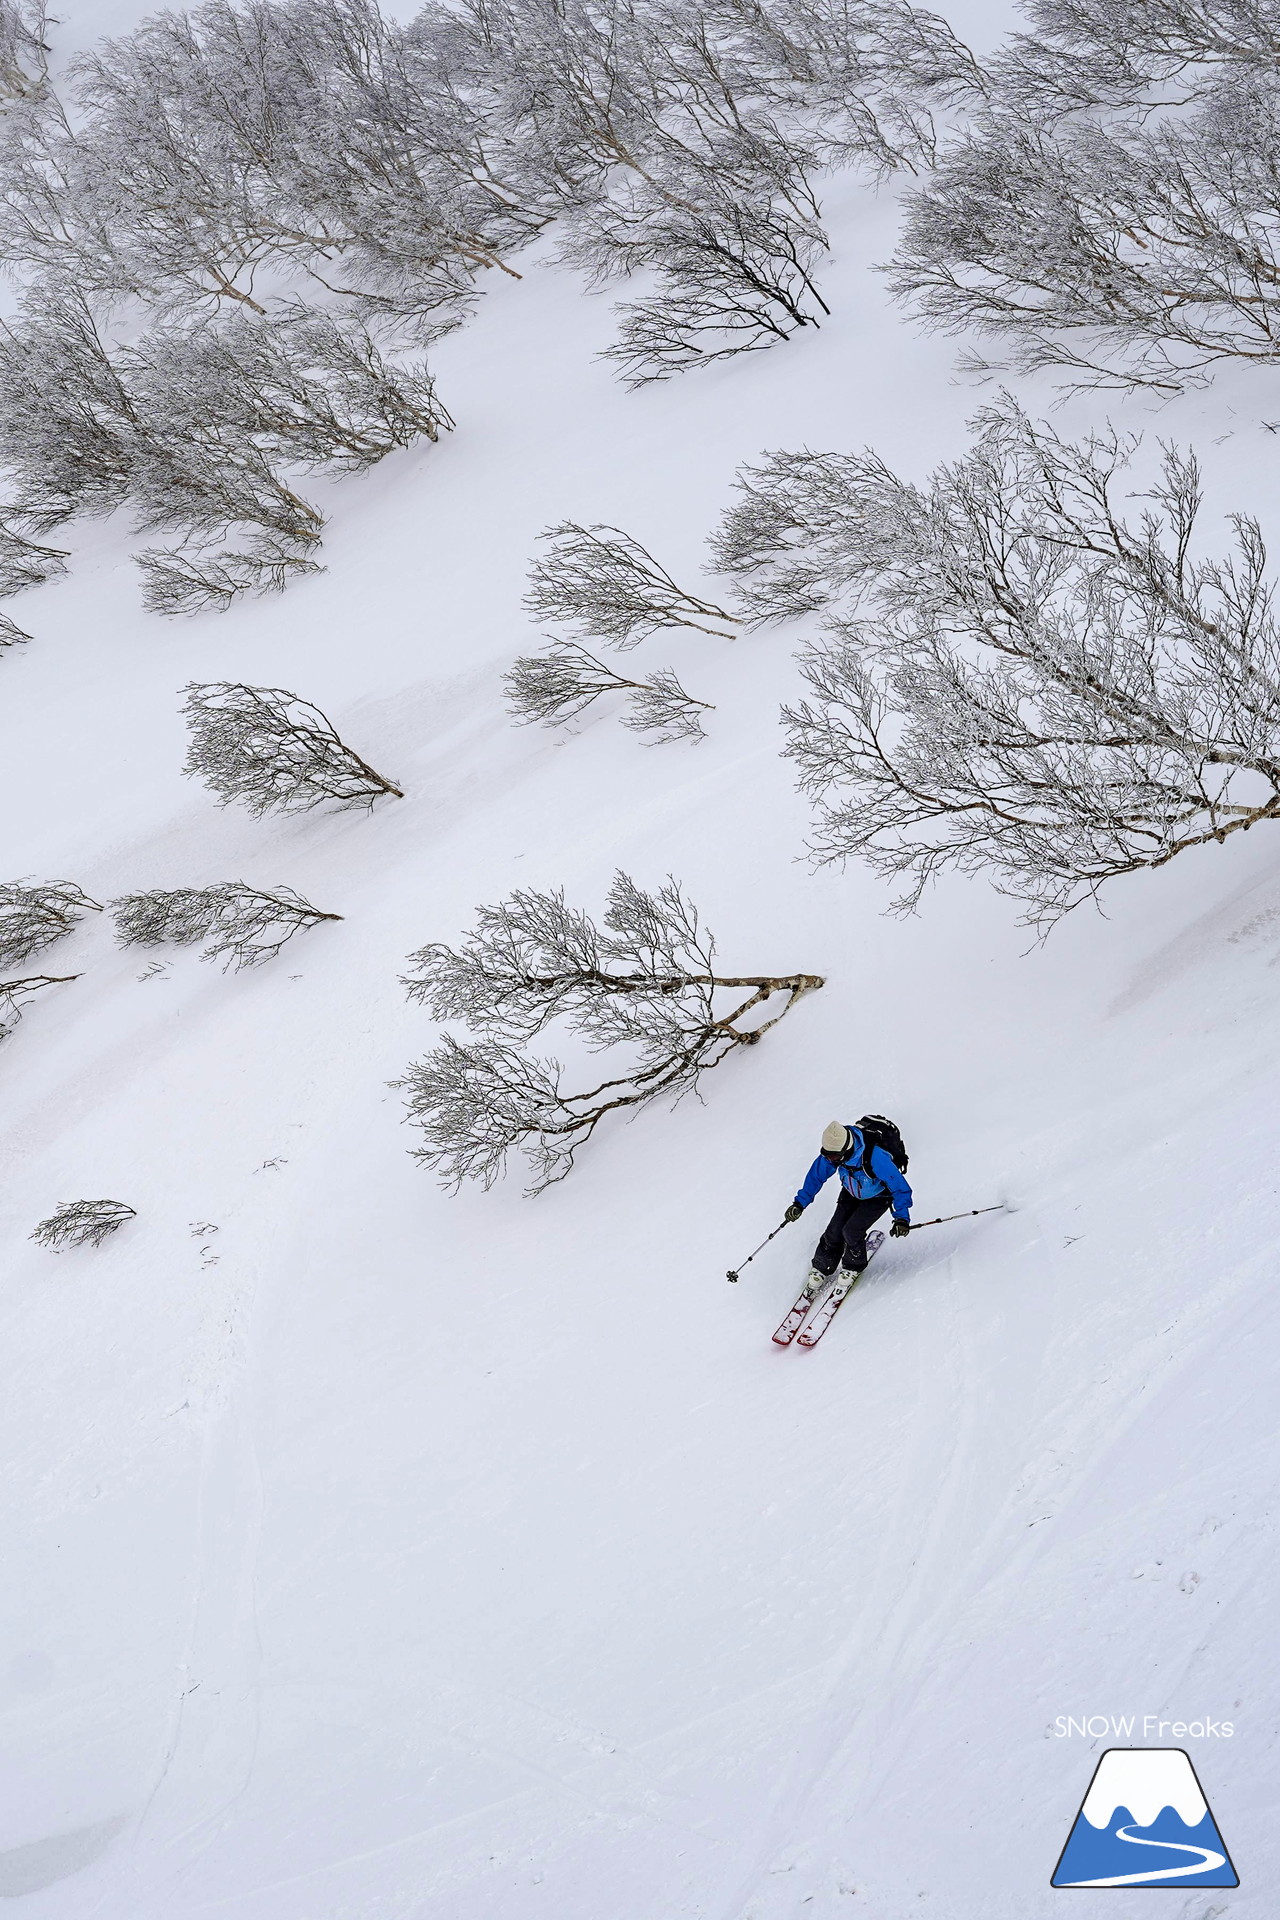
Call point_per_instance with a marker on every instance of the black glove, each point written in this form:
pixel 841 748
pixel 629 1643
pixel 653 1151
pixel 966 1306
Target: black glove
pixel 794 1211
pixel 900 1229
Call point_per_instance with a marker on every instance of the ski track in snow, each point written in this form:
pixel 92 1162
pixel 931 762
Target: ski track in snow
pixel 876 1649
pixel 208 1757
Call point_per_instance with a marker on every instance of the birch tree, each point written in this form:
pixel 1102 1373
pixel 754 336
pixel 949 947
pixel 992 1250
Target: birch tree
pixel 36 915
pixel 644 982
pixel 271 751
pixel 1112 208
pixel 24 49
pixel 603 585
pixel 1030 684
pixel 560 683
pixel 242 926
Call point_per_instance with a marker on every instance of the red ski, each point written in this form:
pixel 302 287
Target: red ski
pixel 839 1293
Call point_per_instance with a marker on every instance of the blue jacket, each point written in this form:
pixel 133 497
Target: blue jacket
pixel 883 1177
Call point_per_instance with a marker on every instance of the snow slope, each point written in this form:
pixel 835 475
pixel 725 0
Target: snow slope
pixel 404 1557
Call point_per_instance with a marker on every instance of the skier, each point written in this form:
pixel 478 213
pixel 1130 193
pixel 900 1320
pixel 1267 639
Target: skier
pixel 870 1182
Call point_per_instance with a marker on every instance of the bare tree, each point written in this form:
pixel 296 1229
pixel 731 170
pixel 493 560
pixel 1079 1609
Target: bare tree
pixel 33 917
pixel 26 563
pixel 201 428
pixel 796 538
pixel 555 686
pixel 23 563
pixel 303 386
pixel 213 154
pixel 230 406
pixel 293 137
pixel 199 578
pixel 24 54
pixel 80 1223
pixel 243 925
pixel 736 263
pixel 1138 55
pixel 668 159
pixel 269 749
pixel 76 437
pixel 644 981
pixel 684 143
pixel 607 586
pixel 14 992
pixel 1113 209
pixel 1033 687
pixel 860 85
pixel 69 431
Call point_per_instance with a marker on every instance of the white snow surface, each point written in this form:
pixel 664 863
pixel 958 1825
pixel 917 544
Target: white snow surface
pixel 1145 1781
pixel 386 1555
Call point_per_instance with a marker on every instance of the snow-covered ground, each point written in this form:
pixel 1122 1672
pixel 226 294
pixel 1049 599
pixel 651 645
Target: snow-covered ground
pixel 390 1556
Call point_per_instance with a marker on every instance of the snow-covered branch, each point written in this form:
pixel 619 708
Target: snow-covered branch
pixel 24 51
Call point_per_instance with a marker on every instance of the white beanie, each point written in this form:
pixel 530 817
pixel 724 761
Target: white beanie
pixel 835 1138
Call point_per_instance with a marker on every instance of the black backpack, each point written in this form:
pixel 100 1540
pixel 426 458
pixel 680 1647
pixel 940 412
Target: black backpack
pixel 876 1131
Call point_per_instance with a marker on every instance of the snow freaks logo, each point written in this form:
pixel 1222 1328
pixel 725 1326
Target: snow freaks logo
pixel 1145 1823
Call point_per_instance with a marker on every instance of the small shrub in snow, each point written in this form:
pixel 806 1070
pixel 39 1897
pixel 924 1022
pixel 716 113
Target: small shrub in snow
pixel 1030 684
pixel 34 917
pixel 644 982
pixel 561 682
pixel 14 992
pixel 79 1223
pixel 607 586
pixel 269 749
pixel 243 925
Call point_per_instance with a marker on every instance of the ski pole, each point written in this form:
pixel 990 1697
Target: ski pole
pixel 944 1217
pixel 733 1272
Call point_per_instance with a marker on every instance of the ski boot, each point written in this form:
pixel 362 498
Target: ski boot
pixel 846 1278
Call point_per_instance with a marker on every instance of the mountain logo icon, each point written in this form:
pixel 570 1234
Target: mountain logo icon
pixel 1145 1823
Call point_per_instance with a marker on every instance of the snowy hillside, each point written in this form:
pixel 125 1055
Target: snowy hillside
pixel 390 1555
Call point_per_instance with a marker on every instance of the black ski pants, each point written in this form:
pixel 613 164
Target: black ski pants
pixel 845 1241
